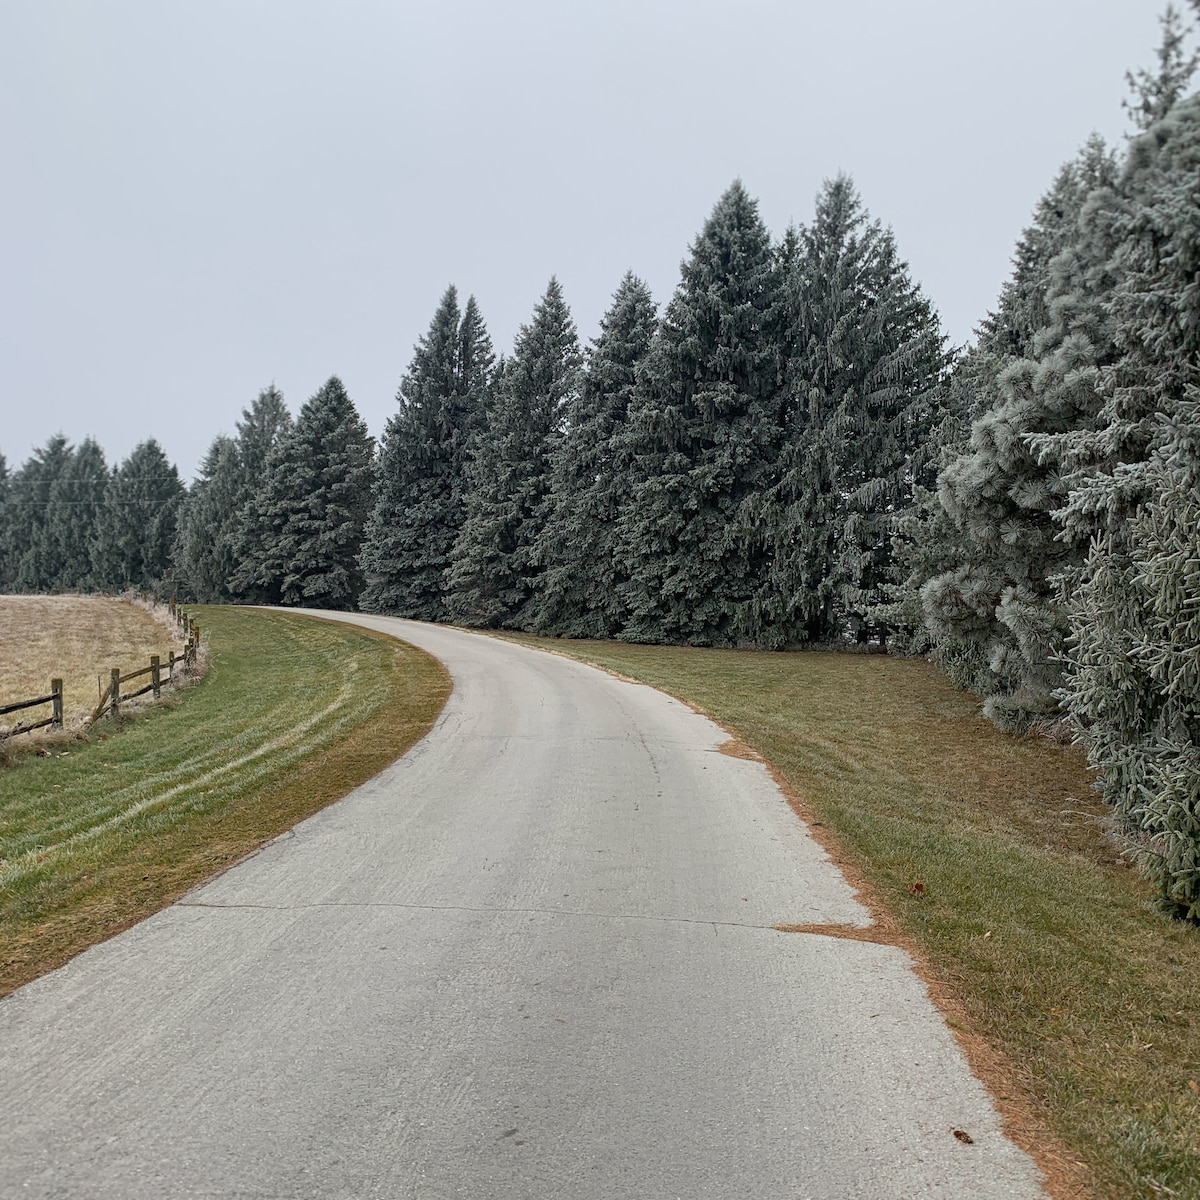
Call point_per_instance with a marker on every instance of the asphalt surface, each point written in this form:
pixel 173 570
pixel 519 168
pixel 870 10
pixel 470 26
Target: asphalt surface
pixel 534 958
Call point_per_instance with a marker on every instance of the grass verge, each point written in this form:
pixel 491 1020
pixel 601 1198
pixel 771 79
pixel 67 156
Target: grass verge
pixel 989 855
pixel 294 712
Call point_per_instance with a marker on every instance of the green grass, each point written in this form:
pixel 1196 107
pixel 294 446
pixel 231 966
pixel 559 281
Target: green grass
pixel 1046 947
pixel 293 713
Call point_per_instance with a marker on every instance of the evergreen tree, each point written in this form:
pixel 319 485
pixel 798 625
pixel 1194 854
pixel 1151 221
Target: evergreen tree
pixel 865 363
pixel 421 485
pixel 1133 683
pixel 6 568
pixel 996 616
pixel 494 566
pixel 1154 94
pixel 579 592
pixel 32 551
pixel 300 535
pixel 135 527
pixel 73 514
pixel 205 553
pixel 701 439
pixel 263 426
pixel 15 531
pixel 1001 612
pixel 926 543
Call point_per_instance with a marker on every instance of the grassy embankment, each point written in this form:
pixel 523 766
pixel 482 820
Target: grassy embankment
pixel 1037 940
pixel 294 712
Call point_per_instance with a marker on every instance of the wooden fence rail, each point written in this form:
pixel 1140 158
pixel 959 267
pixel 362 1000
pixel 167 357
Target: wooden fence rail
pixel 112 697
pixel 20 704
pixel 56 717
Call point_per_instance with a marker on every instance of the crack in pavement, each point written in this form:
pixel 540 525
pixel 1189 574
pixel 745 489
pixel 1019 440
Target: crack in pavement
pixel 809 927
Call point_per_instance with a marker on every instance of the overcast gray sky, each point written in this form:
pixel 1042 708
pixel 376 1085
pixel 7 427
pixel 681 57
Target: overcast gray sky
pixel 205 197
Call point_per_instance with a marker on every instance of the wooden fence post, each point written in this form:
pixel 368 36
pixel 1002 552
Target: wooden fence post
pixel 115 687
pixel 57 689
pixel 155 675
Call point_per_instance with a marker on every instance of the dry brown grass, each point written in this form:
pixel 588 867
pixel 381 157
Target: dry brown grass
pixel 75 639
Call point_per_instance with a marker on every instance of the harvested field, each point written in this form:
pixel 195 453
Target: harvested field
pixel 75 639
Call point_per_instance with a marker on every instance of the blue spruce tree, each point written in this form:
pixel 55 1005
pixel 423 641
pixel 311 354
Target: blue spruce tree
pixel 135 528
pixel 300 535
pixel 701 438
pixel 421 481
pixel 579 591
pixel 494 569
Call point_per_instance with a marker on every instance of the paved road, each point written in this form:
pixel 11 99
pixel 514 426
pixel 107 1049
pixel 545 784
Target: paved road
pixel 534 958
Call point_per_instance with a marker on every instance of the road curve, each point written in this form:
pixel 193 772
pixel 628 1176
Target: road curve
pixel 533 958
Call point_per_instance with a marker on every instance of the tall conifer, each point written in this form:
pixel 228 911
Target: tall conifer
pixel 494 568
pixel 701 440
pixel 5 519
pixel 579 590
pixel 206 553
pixel 34 555
pixel 299 537
pixel 997 614
pixel 203 554
pixel 73 515
pixel 135 528
pixel 1133 682
pixel 420 488
pixel 1154 93
pixel 259 432
pixel 865 358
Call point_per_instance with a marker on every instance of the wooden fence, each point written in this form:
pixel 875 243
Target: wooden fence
pixel 55 719
pixel 113 697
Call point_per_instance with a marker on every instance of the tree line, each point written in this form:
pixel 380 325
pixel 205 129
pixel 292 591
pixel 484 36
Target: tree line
pixel 788 454
pixel 721 474
pixel 1055 566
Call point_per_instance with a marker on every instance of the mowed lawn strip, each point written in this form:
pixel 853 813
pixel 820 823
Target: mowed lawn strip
pixel 293 713
pixel 1047 947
